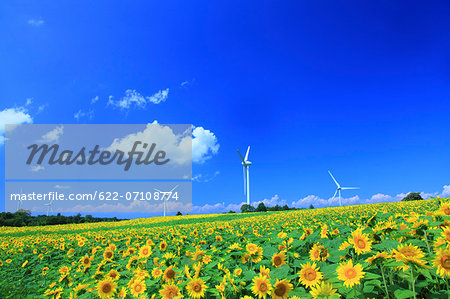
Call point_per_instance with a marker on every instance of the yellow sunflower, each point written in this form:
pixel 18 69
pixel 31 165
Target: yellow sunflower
pixel 323 290
pixel 86 261
pixel 157 273
pixel 163 246
pixel 261 286
pixel 108 254
pixel 446 233
pixel 169 291
pixel 252 248
pixel 137 288
pixel 309 274
pixel 408 253
pixel 377 257
pixel 318 253
pixel 350 274
pixel 106 288
pixel 113 274
pixel 281 289
pixel 196 288
pixel 279 259
pixel 442 262
pixel 263 271
pixel 145 251
pixel 360 242
pixel 169 274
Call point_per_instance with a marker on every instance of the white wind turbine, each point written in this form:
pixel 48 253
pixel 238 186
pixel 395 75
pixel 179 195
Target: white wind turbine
pixel 49 206
pixel 168 193
pixel 339 188
pixel 246 163
pixel 19 204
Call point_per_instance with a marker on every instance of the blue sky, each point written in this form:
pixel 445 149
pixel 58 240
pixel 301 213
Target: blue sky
pixel 359 88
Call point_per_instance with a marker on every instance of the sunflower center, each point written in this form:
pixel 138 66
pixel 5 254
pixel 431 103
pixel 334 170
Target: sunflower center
pixel 445 262
pixel 280 290
pixel 310 275
pixel 197 287
pixel 137 288
pixel 360 243
pixel 350 273
pixel 263 287
pixel 277 261
pixel 108 254
pixel 106 288
pixel 170 273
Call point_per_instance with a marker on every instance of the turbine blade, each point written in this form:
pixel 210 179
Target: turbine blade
pixel 334 179
pixel 242 158
pixel 349 188
pixel 246 155
pixel 334 195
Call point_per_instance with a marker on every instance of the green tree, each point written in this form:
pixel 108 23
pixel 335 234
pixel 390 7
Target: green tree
pixel 412 196
pixel 261 207
pixel 245 208
pixel 179 213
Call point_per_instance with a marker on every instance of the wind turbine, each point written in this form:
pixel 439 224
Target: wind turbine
pixel 49 206
pixel 246 163
pixel 164 195
pixel 19 204
pixel 339 188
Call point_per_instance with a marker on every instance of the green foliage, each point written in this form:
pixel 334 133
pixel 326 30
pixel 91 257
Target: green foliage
pixel 24 218
pixel 412 196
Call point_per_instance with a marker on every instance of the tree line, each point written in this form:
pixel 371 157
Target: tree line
pixel 24 218
pixel 245 208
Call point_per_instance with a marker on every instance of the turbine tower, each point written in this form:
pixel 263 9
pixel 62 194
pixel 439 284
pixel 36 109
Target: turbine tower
pixel 339 188
pixel 49 206
pixel 169 193
pixel 246 163
pixel 19 203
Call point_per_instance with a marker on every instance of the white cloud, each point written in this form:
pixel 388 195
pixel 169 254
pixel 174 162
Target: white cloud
pixel 41 108
pixel 187 83
pixel 94 100
pixel 159 97
pixel 270 202
pixel 29 102
pixel 200 178
pixel 134 99
pixel 53 135
pixel 13 116
pixel 177 146
pixel 446 191
pixel 61 187
pixel 37 168
pixel 36 22
pixel 82 114
pixel 216 208
pixel 204 145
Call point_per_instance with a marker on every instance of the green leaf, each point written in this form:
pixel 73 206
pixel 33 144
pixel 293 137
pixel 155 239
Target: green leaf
pixel 403 294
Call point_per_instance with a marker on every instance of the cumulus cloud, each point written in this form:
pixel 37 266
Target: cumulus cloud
pixel 133 99
pixel 53 135
pixel 177 146
pixel 36 22
pixel 41 108
pixel 204 145
pixel 18 115
pixel 216 208
pixel 271 202
pixel 446 191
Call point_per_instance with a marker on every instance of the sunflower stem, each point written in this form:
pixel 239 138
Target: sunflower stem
pixel 412 282
pixel 354 289
pixel 426 241
pixel 384 281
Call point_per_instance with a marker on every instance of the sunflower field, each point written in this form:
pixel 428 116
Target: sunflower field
pixel 389 250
